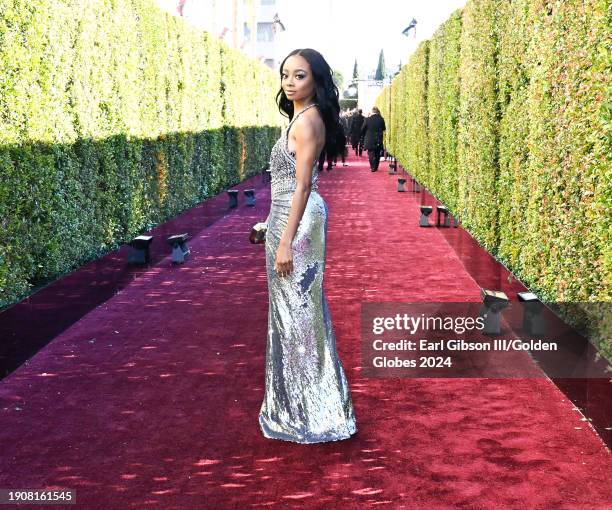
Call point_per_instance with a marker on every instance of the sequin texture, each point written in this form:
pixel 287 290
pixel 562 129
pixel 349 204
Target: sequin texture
pixel 307 398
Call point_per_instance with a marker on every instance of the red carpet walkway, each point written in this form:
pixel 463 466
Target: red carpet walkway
pixel 151 400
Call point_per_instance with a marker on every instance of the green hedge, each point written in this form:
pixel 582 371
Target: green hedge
pixel 478 126
pixel 514 187
pixel 517 142
pixel 414 129
pixel 114 117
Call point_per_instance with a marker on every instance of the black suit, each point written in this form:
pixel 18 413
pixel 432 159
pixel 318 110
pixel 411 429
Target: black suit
pixel 373 128
pixel 356 125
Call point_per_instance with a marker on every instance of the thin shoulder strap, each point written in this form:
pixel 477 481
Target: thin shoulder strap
pixel 301 111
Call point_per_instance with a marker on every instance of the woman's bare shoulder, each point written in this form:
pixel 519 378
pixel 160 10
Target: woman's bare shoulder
pixel 313 115
pixel 311 121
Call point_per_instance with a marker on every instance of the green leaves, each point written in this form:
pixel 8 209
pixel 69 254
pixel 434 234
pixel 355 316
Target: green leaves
pixel 112 120
pixel 507 118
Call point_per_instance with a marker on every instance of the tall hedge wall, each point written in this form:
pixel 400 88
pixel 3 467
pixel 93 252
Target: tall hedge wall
pixel 514 187
pixel 416 116
pixel 477 132
pixel 114 117
pixel 518 137
pixel 443 109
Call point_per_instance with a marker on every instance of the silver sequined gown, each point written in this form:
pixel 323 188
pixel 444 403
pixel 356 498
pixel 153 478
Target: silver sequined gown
pixel 307 399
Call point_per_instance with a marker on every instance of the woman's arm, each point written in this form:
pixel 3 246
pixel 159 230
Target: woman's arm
pixel 306 155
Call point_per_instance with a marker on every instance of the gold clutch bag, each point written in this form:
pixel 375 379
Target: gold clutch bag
pixel 258 233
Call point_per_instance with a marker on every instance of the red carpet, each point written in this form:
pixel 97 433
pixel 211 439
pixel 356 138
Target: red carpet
pixel 151 399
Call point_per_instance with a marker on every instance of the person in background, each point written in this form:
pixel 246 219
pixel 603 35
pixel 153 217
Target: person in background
pixel 373 129
pixel 330 162
pixel 345 120
pixel 343 155
pixel 356 126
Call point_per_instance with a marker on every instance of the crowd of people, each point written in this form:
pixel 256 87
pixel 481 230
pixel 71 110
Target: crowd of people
pixel 362 133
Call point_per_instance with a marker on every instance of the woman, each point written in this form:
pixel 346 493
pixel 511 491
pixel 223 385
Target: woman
pixel 307 399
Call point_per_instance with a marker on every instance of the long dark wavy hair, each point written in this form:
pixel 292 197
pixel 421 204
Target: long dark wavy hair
pixel 326 96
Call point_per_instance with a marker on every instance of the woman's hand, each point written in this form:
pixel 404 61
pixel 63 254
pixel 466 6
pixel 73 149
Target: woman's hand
pixel 284 259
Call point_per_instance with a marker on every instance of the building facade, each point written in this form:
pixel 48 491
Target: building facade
pixel 233 21
pixel 251 26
